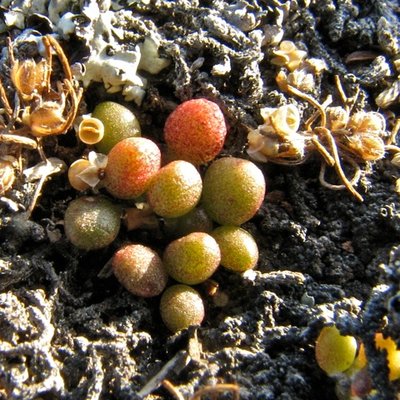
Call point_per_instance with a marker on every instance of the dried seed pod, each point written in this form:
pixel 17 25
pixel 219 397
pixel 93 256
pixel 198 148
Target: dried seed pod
pixel 285 120
pixel 367 146
pixel 140 270
pixel 367 122
pixel 302 79
pixel 337 118
pixel 181 306
pixel 261 147
pixel 389 96
pixel 91 130
pixel 29 77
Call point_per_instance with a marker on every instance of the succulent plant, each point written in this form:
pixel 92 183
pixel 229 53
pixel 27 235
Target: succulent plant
pixel 181 306
pixel 119 123
pixel 132 164
pixel 193 258
pixel 175 189
pixel 195 131
pixel 92 222
pixel 233 190
pixel 140 270
pixel 335 352
pixel 239 251
pixel 196 220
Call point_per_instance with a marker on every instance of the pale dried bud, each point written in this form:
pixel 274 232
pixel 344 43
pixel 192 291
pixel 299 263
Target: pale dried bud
pixel 261 147
pixel 288 55
pixel 84 174
pixel 285 120
pixel 301 79
pixel 337 118
pixel 73 174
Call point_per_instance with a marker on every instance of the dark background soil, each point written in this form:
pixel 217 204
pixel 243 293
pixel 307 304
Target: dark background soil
pixel 66 333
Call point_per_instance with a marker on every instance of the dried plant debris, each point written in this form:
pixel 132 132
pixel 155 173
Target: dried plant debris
pixel 67 333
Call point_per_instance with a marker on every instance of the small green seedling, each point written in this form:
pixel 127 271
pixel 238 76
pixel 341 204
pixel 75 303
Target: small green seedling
pixel 239 251
pixel 181 306
pixel 140 270
pixel 175 190
pixel 192 259
pixel 119 123
pixel 335 353
pixel 92 222
pixel 233 190
pixel 132 164
pixel 195 131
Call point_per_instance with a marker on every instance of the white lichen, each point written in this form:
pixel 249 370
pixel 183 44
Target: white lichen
pixel 110 62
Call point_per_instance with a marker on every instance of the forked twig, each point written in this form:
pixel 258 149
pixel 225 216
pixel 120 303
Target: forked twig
pixel 337 165
pixel 315 103
pixel 353 181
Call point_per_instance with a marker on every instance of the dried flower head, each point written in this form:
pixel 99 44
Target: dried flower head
pixel 366 145
pixel 300 78
pixel 337 118
pixel 278 137
pixel 367 122
pixel 284 120
pixel 288 55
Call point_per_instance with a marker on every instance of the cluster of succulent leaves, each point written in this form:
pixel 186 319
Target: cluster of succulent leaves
pixel 201 200
pixel 343 357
